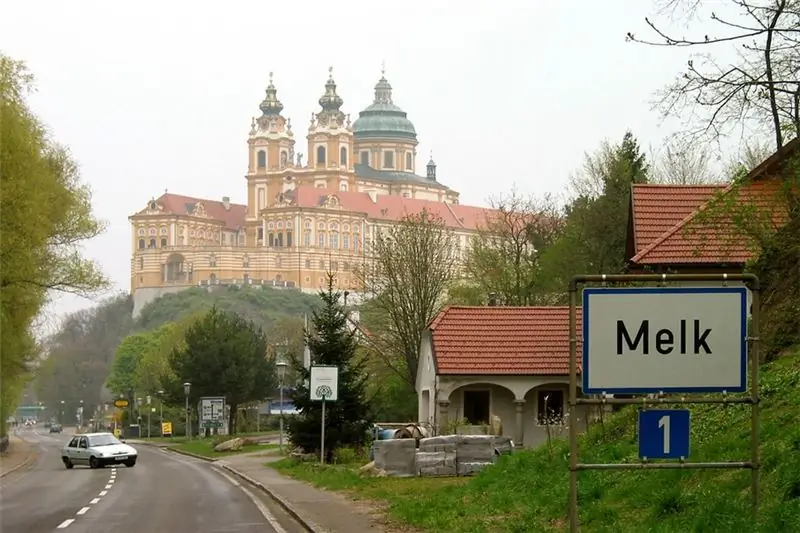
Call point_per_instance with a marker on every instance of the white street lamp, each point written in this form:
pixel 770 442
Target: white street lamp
pixel 281 373
pixel 187 387
pixel 161 414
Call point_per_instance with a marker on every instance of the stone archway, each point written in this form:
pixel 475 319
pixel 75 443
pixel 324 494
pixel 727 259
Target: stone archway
pixel 475 404
pixel 175 269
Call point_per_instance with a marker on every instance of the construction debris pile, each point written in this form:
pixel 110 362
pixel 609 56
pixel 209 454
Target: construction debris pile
pixel 449 455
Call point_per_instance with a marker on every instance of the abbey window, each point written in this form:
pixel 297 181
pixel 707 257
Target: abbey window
pixel 262 159
pixel 320 155
pixel 141 244
pixel 343 156
pixel 288 238
pixel 365 157
pixel 388 159
pixel 409 161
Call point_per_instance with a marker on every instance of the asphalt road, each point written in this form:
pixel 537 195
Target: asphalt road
pixel 163 493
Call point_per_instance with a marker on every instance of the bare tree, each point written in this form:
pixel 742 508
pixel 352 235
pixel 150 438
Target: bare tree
pixel 408 270
pixel 504 256
pixel 760 89
pixel 682 161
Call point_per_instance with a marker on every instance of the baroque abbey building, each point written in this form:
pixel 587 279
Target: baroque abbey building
pixel 303 215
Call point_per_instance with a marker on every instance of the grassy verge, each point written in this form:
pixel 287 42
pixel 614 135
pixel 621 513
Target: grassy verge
pixel 528 491
pixel 205 448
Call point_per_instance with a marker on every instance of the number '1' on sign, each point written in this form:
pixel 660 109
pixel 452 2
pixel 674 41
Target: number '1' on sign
pixel 664 433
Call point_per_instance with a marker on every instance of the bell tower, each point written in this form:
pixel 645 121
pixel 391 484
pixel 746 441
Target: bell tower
pixel 270 152
pixel 330 142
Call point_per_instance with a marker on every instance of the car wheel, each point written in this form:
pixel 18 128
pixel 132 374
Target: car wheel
pixel 94 462
pixel 67 463
pixel 130 464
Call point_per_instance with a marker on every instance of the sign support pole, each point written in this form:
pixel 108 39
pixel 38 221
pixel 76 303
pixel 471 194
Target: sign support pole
pixel 752 333
pixel 322 433
pixel 573 407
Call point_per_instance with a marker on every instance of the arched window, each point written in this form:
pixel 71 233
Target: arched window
pixel 289 238
pixel 271 239
pixel 343 156
pixel 262 159
pixel 343 187
pixel 388 159
pixel 408 161
pixel 280 239
pixel 152 243
pixel 141 244
pixel 163 242
pixel 320 155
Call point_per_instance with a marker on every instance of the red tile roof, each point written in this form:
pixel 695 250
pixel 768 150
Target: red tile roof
pixel 503 340
pixel 392 208
pixel 714 239
pixel 695 239
pixel 176 204
pixel 658 208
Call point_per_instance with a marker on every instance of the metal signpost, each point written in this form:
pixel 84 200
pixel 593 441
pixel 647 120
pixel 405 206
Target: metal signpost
pixel 212 412
pixel 324 388
pixel 662 340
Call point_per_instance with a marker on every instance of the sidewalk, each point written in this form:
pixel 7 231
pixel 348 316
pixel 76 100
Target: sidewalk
pixel 322 511
pixel 19 454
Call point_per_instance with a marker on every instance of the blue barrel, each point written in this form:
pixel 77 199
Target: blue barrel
pixel 386 434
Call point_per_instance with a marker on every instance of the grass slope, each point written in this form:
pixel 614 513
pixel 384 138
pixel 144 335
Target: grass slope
pixel 528 491
pixel 262 305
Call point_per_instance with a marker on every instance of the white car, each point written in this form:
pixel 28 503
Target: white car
pixel 97 450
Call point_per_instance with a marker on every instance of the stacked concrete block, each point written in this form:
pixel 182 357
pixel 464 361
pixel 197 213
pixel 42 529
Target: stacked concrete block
pixel 503 445
pixel 396 457
pixel 436 464
pixel 474 453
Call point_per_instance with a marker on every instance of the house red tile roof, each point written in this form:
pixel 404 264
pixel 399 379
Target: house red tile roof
pixel 658 208
pixel 712 239
pixel 503 340
pixel 392 208
pixel 715 238
pixel 176 204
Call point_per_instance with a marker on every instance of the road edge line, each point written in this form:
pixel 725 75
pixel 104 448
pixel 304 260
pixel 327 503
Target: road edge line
pixel 307 524
pixel 29 459
pixel 190 454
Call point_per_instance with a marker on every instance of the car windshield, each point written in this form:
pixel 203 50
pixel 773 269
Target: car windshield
pixel 103 440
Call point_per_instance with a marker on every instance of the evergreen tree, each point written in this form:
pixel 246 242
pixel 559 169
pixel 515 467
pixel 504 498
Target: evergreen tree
pixel 348 419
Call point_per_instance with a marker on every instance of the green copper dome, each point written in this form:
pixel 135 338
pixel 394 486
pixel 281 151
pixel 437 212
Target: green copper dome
pixel 383 118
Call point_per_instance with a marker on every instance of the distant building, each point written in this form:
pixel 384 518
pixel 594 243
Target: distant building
pixel 301 218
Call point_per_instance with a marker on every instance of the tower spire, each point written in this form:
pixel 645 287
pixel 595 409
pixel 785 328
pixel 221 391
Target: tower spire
pixel 271 106
pixel 330 101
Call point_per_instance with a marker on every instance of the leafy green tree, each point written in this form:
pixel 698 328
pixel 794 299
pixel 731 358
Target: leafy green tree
pixel 594 237
pixel 46 215
pixel 348 419
pixel 130 352
pixel 223 355
pixel 504 257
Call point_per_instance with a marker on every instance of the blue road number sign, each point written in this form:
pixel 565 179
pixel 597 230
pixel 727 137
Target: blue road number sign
pixel 664 433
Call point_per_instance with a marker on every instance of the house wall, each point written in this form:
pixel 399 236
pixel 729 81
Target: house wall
pixel 507 393
pixel 426 383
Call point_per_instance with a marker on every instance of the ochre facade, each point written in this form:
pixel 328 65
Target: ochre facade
pixel 302 218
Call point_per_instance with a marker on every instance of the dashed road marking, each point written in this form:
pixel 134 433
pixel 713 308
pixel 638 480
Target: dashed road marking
pixel 83 510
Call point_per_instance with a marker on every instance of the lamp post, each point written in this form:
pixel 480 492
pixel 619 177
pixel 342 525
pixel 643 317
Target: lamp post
pixel 187 387
pixel 149 411
pixel 281 372
pixel 61 415
pixel 161 412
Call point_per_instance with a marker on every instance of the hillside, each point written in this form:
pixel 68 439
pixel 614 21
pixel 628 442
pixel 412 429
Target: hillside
pixel 528 491
pixel 263 305
pixel 82 351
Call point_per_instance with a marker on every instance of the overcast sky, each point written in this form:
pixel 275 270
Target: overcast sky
pixel 159 95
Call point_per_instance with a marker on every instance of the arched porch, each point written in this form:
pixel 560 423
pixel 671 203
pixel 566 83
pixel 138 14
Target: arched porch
pixel 517 400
